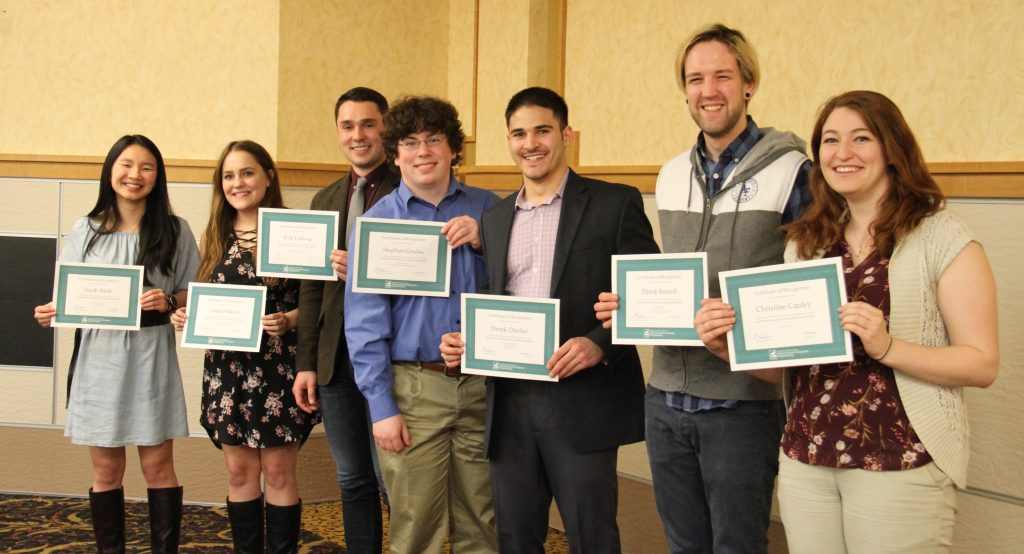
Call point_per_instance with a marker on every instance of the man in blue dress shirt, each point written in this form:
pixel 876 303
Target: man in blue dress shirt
pixel 428 421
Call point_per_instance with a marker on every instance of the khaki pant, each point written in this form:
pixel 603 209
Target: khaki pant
pixel 441 481
pixel 828 510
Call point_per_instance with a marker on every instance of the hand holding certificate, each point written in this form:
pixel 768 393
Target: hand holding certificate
pixel 509 336
pixel 394 256
pixel 97 296
pixel 786 315
pixel 658 297
pixel 224 317
pixel 296 243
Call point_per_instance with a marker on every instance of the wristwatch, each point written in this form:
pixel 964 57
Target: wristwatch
pixel 172 302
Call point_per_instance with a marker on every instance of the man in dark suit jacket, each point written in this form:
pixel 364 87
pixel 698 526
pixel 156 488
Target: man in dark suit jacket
pixel 323 355
pixel 555 238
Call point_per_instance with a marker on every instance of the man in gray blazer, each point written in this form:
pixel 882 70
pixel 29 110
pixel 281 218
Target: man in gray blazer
pixel 323 355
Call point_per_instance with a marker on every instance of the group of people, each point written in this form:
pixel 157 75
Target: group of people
pixel 868 452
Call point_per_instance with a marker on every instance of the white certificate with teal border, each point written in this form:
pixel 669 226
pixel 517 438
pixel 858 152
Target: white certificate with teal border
pixel 97 296
pixel 509 336
pixel 398 256
pixel 224 317
pixel 296 244
pixel 659 295
pixel 787 315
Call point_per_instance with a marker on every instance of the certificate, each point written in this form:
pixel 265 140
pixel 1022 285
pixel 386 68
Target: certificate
pixel 397 256
pixel 787 315
pixel 509 336
pixel 224 317
pixel 97 296
pixel 659 295
pixel 296 243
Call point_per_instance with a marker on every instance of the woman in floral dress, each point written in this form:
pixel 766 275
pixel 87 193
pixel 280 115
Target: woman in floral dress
pixel 248 409
pixel 874 449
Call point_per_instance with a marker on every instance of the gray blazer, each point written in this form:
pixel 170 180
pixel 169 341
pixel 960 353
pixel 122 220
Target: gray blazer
pixel 322 303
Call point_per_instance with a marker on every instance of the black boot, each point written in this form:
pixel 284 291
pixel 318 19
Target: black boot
pixel 247 525
pixel 165 519
pixel 107 510
pixel 283 524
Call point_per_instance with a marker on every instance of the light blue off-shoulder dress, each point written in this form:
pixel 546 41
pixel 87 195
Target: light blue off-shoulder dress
pixel 127 387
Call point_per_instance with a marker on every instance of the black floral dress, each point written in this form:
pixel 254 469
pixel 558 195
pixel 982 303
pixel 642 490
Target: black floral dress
pixel 247 396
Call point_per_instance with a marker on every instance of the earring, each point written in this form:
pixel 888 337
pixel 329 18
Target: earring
pixel 747 95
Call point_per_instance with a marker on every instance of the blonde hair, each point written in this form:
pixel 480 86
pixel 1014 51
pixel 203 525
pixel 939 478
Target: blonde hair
pixel 744 53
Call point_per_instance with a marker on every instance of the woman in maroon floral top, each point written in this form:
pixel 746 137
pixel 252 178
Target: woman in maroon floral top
pixel 874 448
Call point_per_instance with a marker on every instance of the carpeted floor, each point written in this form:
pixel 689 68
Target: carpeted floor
pixel 61 524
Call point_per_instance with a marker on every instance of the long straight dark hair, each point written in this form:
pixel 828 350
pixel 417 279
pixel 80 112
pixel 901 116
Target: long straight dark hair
pixel 159 228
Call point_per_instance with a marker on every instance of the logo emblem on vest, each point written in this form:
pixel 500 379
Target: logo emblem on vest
pixel 748 189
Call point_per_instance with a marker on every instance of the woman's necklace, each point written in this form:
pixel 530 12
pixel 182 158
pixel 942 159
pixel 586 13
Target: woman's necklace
pixel 859 249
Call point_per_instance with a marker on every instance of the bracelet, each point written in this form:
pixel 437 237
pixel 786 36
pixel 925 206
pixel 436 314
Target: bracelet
pixel 887 349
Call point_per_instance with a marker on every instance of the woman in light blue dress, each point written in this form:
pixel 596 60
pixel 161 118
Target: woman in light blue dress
pixel 126 387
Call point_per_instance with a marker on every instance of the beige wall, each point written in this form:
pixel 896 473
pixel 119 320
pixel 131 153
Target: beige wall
pixel 190 75
pixel 954 67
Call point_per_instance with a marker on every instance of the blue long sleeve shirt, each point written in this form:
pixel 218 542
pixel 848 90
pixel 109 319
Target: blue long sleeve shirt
pixel 380 328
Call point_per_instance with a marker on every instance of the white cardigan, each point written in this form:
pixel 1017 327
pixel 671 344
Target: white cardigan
pixel 937 413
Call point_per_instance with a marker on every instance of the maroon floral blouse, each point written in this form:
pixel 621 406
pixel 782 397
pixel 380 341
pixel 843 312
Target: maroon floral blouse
pixel 849 415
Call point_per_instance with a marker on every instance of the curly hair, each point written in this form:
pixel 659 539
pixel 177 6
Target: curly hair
pixel 415 114
pixel 912 194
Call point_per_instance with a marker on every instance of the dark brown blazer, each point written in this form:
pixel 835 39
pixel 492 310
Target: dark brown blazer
pixel 602 406
pixel 322 303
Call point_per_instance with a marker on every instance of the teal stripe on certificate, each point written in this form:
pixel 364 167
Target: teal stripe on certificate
pixel 224 317
pixel 509 336
pixel 787 314
pixel 401 257
pixel 659 295
pixel 97 296
pixel 296 243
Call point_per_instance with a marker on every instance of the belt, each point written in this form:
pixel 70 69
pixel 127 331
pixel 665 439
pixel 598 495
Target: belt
pixel 436 367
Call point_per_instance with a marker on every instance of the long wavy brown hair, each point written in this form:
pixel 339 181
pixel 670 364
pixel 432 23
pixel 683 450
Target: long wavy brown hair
pixel 222 214
pixel 912 194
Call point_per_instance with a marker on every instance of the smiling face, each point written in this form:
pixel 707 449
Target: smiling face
pixel 243 181
pixel 715 91
pixel 426 168
pixel 851 157
pixel 359 127
pixel 537 145
pixel 133 175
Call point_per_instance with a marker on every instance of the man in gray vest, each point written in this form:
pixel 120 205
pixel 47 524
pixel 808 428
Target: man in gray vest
pixel 713 434
pixel 323 354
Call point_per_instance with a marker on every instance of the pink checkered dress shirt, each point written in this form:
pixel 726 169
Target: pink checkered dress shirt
pixel 531 246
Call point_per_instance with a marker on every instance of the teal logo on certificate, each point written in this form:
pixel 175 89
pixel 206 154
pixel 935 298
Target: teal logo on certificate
pixel 403 257
pixel 659 294
pixel 296 244
pixel 786 315
pixel 509 336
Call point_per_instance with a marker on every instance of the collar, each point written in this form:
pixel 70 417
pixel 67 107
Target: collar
pixel 523 204
pixel 406 195
pixel 374 177
pixel 738 148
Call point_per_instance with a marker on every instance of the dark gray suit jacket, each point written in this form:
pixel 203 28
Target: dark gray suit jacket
pixel 322 303
pixel 602 406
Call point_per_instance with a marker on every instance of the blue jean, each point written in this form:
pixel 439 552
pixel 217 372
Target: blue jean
pixel 713 473
pixel 347 426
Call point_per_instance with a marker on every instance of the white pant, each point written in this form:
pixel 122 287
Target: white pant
pixel 828 510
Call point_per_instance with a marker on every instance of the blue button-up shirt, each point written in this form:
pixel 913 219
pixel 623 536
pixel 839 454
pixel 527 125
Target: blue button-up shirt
pixel 380 328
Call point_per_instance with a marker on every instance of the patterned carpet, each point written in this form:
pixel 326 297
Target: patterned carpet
pixel 61 524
